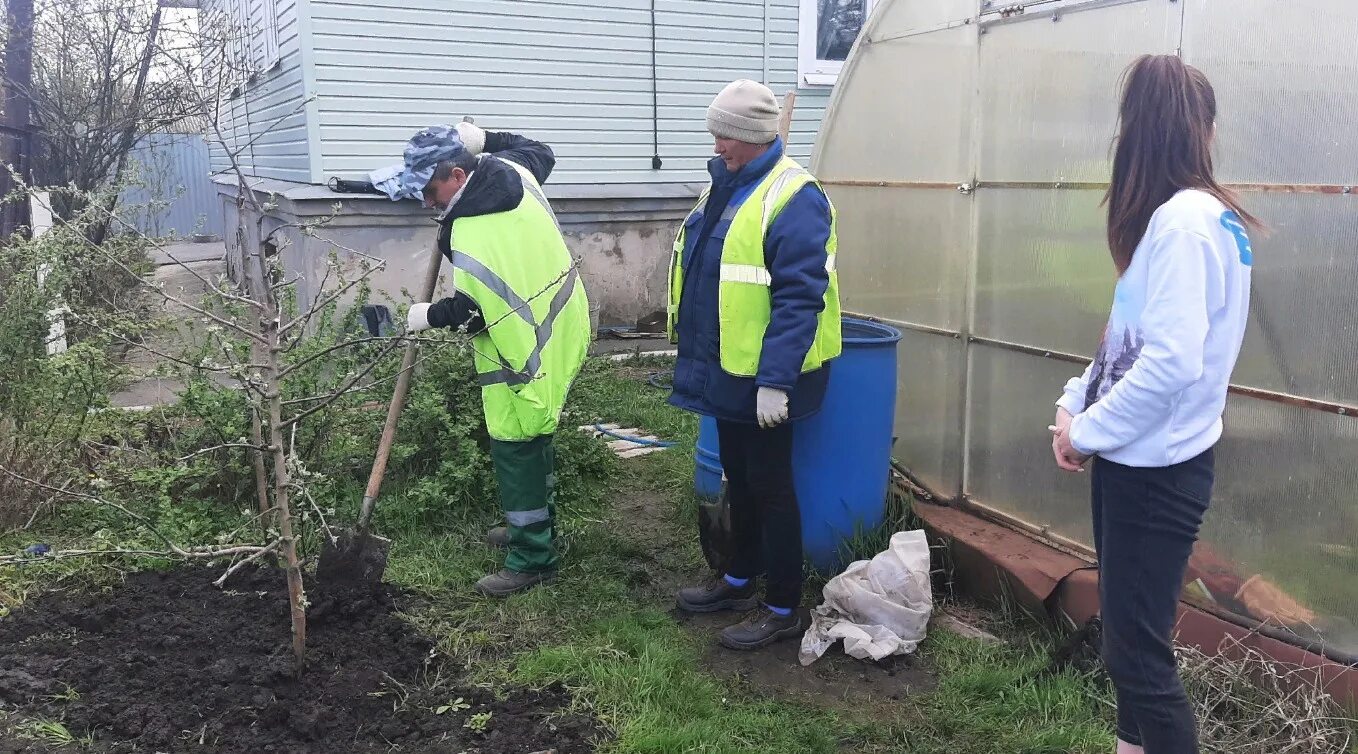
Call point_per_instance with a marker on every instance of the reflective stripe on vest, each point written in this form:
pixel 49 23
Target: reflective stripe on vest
pixel 757 275
pixel 527 518
pixel 543 332
pixel 530 185
pixel 517 267
pixel 744 300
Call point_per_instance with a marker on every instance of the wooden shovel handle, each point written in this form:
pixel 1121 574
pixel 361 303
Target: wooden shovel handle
pixel 398 396
pixel 398 399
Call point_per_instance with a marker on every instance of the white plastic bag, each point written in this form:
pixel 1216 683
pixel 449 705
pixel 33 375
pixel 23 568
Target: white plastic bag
pixel 879 607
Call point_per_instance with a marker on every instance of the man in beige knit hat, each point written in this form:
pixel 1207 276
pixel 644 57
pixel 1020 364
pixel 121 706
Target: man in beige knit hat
pixel 754 308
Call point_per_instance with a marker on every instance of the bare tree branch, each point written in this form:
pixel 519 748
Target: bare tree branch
pixel 339 392
pixel 273 547
pixel 205 451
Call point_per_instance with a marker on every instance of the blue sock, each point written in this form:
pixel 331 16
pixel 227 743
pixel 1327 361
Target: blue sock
pixel 781 612
pixel 735 582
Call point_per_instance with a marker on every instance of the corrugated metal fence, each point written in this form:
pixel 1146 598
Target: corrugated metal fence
pixel 171 192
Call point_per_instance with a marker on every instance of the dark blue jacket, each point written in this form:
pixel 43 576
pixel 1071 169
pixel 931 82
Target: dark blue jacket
pixel 795 255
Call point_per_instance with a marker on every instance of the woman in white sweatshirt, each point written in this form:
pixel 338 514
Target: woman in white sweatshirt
pixel 1148 410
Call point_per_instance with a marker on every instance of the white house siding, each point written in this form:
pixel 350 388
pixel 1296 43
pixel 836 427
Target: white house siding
pixel 266 124
pixel 573 73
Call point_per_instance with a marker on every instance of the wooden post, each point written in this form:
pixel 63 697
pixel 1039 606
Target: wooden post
pixel 785 119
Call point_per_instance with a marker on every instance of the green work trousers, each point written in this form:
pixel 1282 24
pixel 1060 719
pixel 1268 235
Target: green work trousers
pixel 527 479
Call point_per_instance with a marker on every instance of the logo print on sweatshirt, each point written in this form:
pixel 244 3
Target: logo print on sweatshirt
pixel 1113 362
pixel 1231 222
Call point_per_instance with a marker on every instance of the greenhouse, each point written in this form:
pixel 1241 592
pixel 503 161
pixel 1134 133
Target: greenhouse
pixel 967 150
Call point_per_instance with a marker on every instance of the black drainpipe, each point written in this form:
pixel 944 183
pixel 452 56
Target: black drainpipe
pixel 655 99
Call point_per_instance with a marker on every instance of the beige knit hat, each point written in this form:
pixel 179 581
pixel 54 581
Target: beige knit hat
pixel 745 111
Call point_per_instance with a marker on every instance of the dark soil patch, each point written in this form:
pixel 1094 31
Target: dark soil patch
pixel 835 679
pixel 645 521
pixel 170 663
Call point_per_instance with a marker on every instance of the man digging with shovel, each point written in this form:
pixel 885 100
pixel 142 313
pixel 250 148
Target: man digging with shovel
pixel 518 293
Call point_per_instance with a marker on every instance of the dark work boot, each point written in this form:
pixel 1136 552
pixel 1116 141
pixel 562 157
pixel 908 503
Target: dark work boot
pixel 717 594
pixel 760 627
pixel 498 537
pixel 508 582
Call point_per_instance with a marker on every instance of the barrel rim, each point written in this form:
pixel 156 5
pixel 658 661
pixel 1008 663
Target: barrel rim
pixel 881 334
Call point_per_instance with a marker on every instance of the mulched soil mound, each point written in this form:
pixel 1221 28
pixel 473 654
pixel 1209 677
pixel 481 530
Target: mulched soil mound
pixel 170 663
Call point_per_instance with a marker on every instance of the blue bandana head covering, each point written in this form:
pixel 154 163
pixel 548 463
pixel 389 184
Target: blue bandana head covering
pixel 423 153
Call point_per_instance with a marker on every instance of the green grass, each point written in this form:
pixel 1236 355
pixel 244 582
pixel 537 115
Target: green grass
pixel 641 673
pixel 989 700
pixel 51 733
pixel 604 634
pixel 602 628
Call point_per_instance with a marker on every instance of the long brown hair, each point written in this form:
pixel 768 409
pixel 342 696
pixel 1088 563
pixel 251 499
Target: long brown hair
pixel 1164 145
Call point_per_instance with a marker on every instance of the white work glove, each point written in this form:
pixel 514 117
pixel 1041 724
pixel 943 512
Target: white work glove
pixel 770 407
pixel 418 318
pixel 473 136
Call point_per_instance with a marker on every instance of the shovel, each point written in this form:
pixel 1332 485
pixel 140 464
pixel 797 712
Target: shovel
pixel 358 556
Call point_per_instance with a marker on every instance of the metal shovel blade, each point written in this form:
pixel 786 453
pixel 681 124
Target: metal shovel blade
pixel 356 556
pixel 353 558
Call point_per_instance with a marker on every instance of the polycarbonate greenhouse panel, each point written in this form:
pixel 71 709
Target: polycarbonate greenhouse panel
pixel 1013 400
pixel 903 253
pixel 900 19
pixel 1286 507
pixel 1303 331
pixel 905 112
pixel 1049 89
pixel 1287 82
pixel 929 410
pixel 1043 274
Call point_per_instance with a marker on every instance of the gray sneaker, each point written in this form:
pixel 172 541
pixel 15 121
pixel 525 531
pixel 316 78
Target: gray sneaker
pixel 761 627
pixel 498 537
pixel 717 594
pixel 508 582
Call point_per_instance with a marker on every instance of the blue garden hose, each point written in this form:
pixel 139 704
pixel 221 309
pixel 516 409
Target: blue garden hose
pixel 639 441
pixel 654 379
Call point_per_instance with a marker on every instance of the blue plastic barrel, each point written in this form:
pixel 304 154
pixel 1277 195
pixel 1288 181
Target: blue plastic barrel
pixel 707 464
pixel 842 455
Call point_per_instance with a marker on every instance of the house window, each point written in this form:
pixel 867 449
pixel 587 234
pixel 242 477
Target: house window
pixel 266 34
pixel 826 32
pixel 241 43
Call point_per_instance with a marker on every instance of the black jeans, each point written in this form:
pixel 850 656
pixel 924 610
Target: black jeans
pixel 765 518
pixel 1145 524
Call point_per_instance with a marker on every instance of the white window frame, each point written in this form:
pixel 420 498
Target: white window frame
pixel 812 71
pixel 269 50
pixel 248 21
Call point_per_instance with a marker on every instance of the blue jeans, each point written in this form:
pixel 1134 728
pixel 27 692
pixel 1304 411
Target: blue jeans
pixel 1145 523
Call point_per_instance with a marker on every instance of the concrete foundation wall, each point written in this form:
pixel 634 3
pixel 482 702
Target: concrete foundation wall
pixel 623 245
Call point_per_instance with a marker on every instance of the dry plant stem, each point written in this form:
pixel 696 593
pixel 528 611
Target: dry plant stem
pixel 320 515
pixel 143 346
pixel 191 552
pixel 205 451
pixel 257 460
pixel 338 347
pixel 330 298
pixel 66 554
pixel 342 390
pixel 179 554
pixel 160 291
pixel 186 266
pixel 282 487
pixel 248 560
pixel 249 523
pixel 439 344
pixel 1250 704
